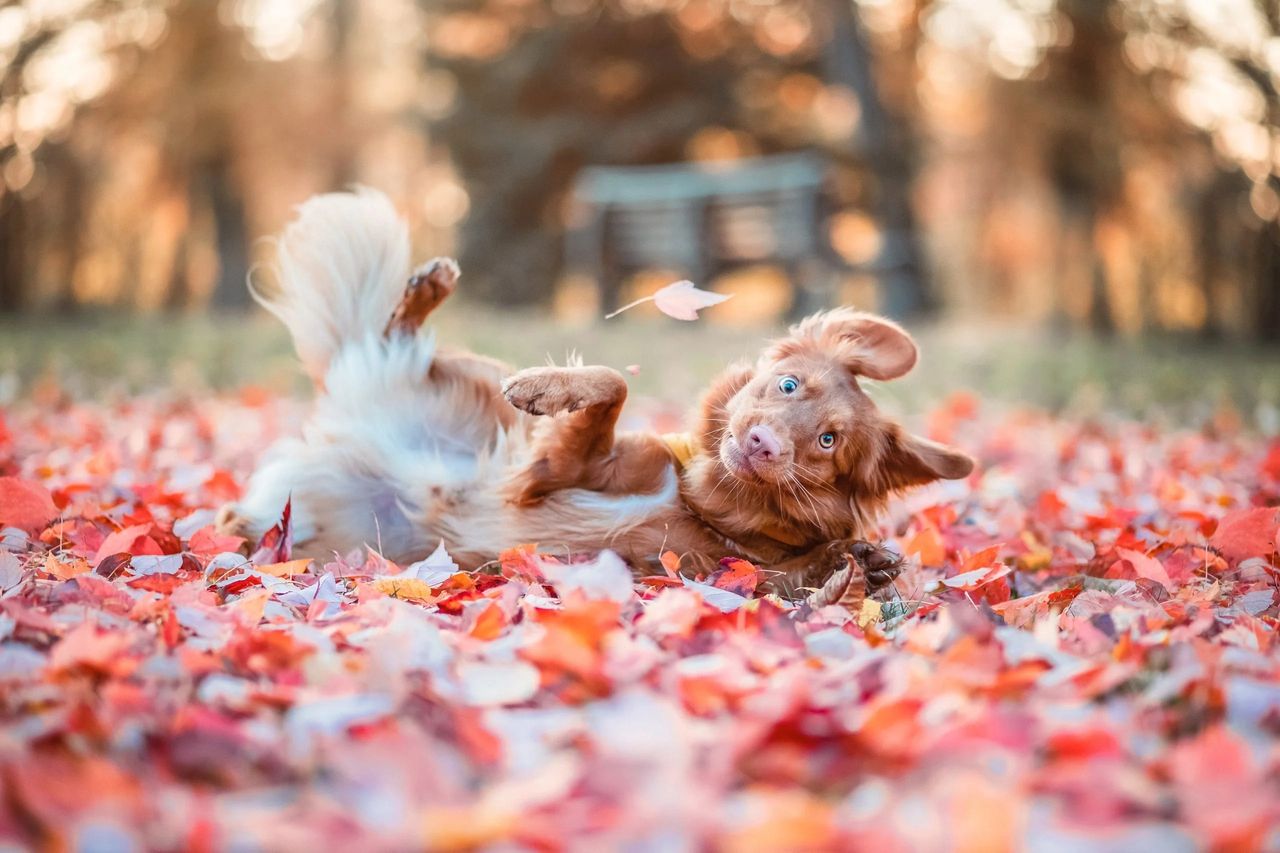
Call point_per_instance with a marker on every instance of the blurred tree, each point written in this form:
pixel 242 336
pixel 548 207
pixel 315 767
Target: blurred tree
pixel 546 88
pixel 128 132
pixel 885 143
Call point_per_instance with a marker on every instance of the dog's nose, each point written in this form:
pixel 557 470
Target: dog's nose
pixel 762 444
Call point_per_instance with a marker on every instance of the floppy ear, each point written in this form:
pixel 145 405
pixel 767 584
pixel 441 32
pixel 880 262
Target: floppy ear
pixel 871 346
pixel 910 460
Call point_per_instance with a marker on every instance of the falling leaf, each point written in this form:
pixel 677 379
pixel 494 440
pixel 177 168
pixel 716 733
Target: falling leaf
pixel 680 300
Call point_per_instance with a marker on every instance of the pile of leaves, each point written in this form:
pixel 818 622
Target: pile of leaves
pixel 1081 650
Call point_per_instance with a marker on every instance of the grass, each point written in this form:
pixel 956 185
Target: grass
pixel 96 355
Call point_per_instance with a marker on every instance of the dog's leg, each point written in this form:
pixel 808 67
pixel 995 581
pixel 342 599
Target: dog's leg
pixel 429 285
pixel 577 448
pixel 880 566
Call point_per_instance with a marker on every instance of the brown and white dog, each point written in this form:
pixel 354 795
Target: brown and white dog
pixel 788 462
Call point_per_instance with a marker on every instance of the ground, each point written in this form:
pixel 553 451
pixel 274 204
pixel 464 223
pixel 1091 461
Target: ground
pixel 1081 651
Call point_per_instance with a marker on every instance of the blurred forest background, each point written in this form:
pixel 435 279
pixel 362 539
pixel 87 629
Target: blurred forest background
pixel 1111 165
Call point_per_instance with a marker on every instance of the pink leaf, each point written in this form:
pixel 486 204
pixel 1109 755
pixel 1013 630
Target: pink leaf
pixel 1146 567
pixel 682 300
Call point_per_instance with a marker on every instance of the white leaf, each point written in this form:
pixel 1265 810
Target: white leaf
pixel 721 599
pixel 682 300
pixel 435 569
pixel 490 684
pixel 606 577
pixel 11 573
pixel 166 564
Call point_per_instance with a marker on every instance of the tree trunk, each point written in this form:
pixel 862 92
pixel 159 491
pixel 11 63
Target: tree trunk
pixel 1266 271
pixel 904 286
pixel 12 257
pixel 230 237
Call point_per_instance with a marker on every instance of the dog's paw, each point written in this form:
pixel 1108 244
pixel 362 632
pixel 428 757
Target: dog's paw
pixel 555 390
pixel 229 522
pixel 878 566
pixel 430 284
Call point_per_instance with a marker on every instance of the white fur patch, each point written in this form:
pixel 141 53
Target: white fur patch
pixel 623 511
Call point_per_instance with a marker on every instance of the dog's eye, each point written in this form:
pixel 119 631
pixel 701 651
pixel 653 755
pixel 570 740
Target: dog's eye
pixel 827 440
pixel 788 384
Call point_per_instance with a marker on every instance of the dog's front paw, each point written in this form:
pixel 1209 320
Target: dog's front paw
pixel 554 390
pixel 878 566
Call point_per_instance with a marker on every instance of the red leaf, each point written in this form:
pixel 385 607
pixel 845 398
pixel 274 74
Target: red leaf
pixel 25 504
pixel 207 542
pixel 736 576
pixel 276 544
pixel 1246 533
pixel 132 540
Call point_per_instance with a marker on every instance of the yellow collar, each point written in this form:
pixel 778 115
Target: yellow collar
pixel 681 446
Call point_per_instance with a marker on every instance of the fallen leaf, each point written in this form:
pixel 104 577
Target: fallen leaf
pixel 25 505
pixel 1246 533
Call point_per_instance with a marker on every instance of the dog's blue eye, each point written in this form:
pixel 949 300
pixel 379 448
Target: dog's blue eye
pixel 788 384
pixel 827 440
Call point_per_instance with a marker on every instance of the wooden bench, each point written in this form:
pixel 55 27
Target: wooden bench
pixel 703 220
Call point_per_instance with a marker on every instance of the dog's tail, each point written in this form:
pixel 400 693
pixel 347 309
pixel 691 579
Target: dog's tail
pixel 340 274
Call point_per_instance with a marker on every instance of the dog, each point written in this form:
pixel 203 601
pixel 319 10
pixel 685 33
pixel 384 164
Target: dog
pixel 788 462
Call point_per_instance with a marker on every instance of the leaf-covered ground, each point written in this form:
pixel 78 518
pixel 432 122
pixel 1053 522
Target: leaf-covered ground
pixel 1083 654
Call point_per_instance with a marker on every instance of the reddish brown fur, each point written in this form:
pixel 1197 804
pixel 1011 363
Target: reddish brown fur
pixel 797 513
pixel 793 515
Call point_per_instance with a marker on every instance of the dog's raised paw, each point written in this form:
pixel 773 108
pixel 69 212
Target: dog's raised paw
pixel 555 390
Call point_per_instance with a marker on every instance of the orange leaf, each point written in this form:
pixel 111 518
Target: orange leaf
pixel 927 544
pixel 286 569
pixel 414 589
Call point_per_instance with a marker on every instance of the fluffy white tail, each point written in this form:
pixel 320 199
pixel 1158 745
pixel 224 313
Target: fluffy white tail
pixel 340 270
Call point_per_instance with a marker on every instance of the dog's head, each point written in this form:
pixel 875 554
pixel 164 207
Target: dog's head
pixel 802 421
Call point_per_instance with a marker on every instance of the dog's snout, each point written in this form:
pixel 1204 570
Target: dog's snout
pixel 762 444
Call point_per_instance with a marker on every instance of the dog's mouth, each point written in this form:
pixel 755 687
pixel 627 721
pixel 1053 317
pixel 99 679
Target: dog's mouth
pixel 741 465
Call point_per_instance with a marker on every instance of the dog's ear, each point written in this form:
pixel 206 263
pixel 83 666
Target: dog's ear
pixel 870 346
pixel 909 460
